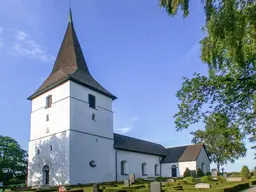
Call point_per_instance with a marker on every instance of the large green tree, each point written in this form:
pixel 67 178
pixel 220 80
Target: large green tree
pixel 222 138
pixel 13 159
pixel 229 49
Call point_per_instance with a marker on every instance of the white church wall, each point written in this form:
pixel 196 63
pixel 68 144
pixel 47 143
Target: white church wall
pixel 181 167
pixel 54 152
pixel 58 113
pixel 86 148
pixel 203 158
pixel 81 113
pixel 187 164
pixel 166 169
pixel 134 164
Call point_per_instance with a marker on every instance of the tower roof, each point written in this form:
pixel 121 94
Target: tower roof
pixel 70 65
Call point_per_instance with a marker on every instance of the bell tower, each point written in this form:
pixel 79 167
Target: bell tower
pixel 71 133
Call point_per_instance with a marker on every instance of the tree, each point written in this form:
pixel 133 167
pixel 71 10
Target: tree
pixel 229 49
pixel 187 172
pixel 199 172
pixel 222 138
pixel 245 172
pixel 13 159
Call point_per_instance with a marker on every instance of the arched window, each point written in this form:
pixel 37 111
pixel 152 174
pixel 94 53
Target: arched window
pixel 144 168
pixel 174 171
pixel 124 168
pixel 157 170
pixel 203 167
pixel 46 175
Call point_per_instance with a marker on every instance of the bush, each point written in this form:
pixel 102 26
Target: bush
pixel 245 172
pixel 161 179
pixel 199 172
pixel 208 174
pixel 189 180
pixel 140 181
pixel 187 173
pixel 254 172
pixel 206 179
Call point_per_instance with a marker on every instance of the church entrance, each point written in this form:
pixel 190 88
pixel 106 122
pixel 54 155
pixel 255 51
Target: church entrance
pixel 46 175
pixel 174 171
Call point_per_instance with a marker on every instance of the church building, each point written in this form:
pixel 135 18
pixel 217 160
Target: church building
pixel 72 138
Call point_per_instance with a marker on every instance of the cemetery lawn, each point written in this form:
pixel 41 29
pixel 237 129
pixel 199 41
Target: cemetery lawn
pixel 178 186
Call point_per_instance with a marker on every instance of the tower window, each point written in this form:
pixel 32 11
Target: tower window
pixel 47 117
pixel 47 130
pixel 38 151
pixel 48 101
pixel 93 116
pixel 51 148
pixel 92 101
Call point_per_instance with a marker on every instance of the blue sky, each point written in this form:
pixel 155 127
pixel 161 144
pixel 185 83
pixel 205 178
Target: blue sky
pixel 133 48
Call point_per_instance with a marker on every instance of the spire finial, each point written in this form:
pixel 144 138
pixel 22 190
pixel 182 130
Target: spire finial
pixel 70 13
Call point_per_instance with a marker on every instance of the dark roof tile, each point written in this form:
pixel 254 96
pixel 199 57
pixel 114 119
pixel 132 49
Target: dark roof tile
pixel 137 145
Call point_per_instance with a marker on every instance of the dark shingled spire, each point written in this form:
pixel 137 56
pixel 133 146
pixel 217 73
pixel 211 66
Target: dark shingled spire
pixel 70 65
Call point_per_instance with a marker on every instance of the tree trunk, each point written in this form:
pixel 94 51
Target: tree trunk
pixel 218 167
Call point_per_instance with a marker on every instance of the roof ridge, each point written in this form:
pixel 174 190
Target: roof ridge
pixel 140 139
pixel 184 145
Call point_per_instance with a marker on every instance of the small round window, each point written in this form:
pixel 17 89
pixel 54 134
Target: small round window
pixel 92 163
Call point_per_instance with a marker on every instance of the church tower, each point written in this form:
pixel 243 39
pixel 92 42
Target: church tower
pixel 71 133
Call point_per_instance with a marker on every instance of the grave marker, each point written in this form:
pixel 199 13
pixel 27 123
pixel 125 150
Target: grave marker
pixel 202 186
pixel 155 187
pixel 62 189
pixel 126 183
pixel 96 188
pixel 132 178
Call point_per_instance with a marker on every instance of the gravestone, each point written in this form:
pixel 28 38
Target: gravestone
pixel 62 189
pixel 214 172
pixel 225 175
pixel 202 186
pixel 132 178
pixel 170 181
pixel 96 188
pixel 155 187
pixel 126 183
pixel 234 179
pixel 1 184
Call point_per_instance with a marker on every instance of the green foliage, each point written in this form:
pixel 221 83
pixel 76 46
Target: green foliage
pixel 222 138
pixel 172 6
pixel 208 174
pixel 221 178
pixel 229 50
pixel 189 180
pixel 245 172
pixel 206 179
pixel 161 179
pixel 254 172
pixel 13 159
pixel 139 181
pixel 199 172
pixel 187 173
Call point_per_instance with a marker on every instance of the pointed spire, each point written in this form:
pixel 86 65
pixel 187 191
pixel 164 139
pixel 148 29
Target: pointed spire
pixel 70 20
pixel 70 64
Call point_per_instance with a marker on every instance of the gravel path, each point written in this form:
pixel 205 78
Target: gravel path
pixel 252 189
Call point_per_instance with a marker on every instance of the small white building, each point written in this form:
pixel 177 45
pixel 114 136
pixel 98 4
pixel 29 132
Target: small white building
pixel 72 139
